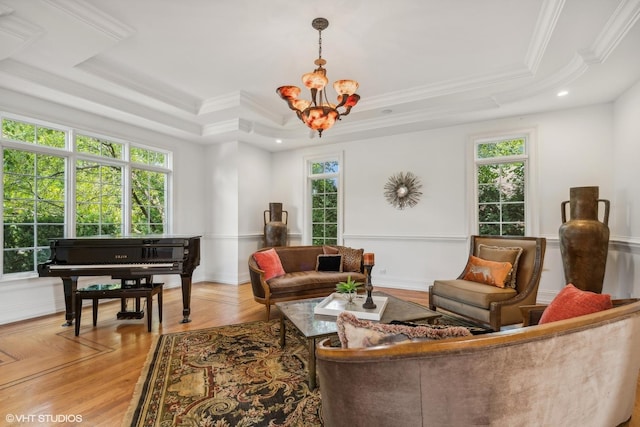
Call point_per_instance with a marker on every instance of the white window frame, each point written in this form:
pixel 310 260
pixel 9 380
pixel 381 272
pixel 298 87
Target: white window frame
pixel 307 216
pixel 532 221
pixel 70 155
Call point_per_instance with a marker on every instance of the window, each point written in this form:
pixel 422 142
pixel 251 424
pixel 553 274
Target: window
pixel 33 207
pixel 99 193
pixel 113 187
pixel 501 180
pixel 148 200
pixel 33 134
pixel 324 201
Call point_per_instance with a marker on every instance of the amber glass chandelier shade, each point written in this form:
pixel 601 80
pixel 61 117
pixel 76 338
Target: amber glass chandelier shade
pixel 299 104
pixel 288 92
pixel 316 80
pixel 345 87
pixel 319 118
pixel 318 113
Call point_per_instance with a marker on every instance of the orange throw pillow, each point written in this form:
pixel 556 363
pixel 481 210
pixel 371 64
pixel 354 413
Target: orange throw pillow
pixel 269 261
pixel 572 302
pixel 487 272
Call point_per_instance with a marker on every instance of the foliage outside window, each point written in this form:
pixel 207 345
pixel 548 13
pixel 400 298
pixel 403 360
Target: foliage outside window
pixel 501 167
pixel 99 192
pixel 33 207
pixel 35 176
pixel 324 180
pixel 148 199
pixel 148 157
pixel 34 134
pixel 99 147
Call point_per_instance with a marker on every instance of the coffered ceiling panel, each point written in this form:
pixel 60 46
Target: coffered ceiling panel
pixel 207 71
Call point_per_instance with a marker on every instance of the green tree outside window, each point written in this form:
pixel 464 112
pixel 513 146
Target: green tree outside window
pixel 501 187
pixel 35 185
pixel 324 203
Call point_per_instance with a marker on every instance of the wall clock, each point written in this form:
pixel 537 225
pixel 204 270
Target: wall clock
pixel 403 190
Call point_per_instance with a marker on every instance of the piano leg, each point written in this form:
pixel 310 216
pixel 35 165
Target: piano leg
pixel 70 285
pixel 186 297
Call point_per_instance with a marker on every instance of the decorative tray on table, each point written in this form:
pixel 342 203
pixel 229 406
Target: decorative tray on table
pixel 336 303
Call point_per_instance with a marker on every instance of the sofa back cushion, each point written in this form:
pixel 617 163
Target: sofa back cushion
pixel 299 258
pixel 502 254
pixel 526 261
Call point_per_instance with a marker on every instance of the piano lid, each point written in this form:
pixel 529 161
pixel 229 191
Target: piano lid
pixel 132 240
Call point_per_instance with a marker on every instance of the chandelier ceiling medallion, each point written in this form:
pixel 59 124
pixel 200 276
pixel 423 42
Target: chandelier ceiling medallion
pixel 319 114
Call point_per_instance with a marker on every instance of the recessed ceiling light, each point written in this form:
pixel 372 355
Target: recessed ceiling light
pixel 278 141
pixel 563 93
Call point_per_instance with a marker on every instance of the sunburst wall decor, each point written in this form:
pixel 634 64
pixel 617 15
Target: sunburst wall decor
pixel 403 190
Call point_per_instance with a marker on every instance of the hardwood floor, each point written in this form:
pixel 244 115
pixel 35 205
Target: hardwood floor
pixel 48 375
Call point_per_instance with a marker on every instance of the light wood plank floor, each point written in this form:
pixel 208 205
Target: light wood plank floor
pixel 46 371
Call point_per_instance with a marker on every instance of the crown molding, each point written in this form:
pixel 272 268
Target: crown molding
pixel 546 24
pixel 5 10
pixel 417 116
pixel 39 83
pixel 17 27
pixel 570 72
pixel 219 103
pixel 221 128
pixel 241 100
pixel 140 84
pixel 94 17
pixel 449 87
pixel 251 103
pixel 618 25
pixel 616 28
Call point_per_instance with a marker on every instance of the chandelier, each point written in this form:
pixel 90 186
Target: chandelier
pixel 319 114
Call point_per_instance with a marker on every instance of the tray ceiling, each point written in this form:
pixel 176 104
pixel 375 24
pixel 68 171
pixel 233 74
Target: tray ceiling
pixel 206 71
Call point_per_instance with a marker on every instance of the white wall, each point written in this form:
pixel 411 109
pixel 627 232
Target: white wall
pixel 237 192
pixel 624 274
pixel 222 190
pixel 254 178
pixel 415 246
pixel 221 207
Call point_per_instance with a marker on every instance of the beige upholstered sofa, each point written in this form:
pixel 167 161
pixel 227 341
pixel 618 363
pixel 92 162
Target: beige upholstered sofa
pixel 301 280
pixel 488 304
pixel 576 372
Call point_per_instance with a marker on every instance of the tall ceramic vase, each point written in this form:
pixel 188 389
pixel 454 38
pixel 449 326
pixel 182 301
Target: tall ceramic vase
pixel 275 229
pixel 584 239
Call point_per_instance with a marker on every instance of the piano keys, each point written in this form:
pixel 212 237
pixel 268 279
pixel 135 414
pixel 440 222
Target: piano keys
pixel 130 259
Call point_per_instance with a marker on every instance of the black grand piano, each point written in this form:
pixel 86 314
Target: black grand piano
pixel 130 259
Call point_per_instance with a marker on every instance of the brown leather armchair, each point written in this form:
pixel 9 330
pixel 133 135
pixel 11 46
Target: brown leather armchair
pixel 490 304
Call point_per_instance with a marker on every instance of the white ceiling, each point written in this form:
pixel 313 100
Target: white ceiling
pixel 207 70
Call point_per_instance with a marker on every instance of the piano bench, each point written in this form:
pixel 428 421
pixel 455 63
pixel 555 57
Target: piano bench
pixel 114 291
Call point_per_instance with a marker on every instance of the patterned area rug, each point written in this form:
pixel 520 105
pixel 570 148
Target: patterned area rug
pixel 228 376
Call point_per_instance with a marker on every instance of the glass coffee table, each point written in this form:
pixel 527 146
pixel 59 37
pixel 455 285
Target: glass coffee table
pixel 314 326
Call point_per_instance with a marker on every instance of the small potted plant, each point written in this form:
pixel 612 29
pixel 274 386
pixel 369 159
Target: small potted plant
pixel 349 287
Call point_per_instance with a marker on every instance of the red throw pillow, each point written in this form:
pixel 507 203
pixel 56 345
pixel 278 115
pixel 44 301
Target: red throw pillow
pixel 269 261
pixel 573 302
